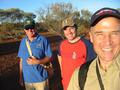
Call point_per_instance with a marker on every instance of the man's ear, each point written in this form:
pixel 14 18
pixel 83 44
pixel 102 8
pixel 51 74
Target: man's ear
pixel 25 31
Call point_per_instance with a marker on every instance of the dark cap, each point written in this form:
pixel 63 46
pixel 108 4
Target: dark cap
pixel 102 13
pixel 29 23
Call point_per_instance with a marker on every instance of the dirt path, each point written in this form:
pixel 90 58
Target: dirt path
pixel 9 72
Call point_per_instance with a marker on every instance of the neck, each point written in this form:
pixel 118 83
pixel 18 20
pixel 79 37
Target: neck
pixel 74 40
pixel 105 64
pixel 32 37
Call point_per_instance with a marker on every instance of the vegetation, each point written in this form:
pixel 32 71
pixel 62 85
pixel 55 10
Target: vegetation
pixel 14 15
pixel 49 19
pixel 53 16
pixel 11 23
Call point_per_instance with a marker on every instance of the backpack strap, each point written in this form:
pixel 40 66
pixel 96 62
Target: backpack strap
pixel 83 74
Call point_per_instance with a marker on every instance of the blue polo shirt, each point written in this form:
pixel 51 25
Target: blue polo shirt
pixel 40 47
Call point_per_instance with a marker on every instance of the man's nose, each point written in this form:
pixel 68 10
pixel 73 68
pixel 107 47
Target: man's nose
pixel 108 39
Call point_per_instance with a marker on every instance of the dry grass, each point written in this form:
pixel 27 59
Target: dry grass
pixel 6 62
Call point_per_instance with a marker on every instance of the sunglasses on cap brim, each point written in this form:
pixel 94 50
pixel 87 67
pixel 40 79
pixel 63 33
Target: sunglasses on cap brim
pixel 29 27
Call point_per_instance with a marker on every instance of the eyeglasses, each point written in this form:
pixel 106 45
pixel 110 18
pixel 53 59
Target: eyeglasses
pixel 29 27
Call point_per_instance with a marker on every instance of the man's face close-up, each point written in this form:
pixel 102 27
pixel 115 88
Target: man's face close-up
pixel 70 33
pixel 30 31
pixel 105 36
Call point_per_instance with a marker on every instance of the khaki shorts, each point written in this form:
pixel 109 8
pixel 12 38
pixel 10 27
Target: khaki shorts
pixel 37 86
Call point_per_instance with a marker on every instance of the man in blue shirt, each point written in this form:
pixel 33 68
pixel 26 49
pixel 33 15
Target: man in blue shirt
pixel 34 52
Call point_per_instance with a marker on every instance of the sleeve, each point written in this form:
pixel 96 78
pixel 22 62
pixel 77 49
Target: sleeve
pixel 90 50
pixel 47 48
pixel 20 49
pixel 58 49
pixel 74 83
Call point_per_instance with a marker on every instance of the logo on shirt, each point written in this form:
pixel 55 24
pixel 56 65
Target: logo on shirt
pixel 38 45
pixel 74 55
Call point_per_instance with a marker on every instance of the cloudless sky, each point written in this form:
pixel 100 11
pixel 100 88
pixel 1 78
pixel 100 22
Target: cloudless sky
pixel 34 5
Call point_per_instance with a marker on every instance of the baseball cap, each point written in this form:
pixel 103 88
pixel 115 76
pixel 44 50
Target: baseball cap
pixel 29 23
pixel 102 13
pixel 68 22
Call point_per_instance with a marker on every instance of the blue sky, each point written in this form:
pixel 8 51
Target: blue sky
pixel 34 5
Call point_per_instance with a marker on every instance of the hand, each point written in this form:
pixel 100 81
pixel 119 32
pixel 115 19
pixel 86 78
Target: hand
pixel 32 60
pixel 21 82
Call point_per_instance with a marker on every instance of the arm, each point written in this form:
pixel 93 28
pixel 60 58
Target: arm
pixel 59 56
pixel 47 52
pixel 21 76
pixel 59 60
pixel 34 60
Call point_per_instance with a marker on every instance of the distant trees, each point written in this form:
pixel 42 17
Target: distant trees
pixel 11 22
pixel 53 16
pixel 118 9
pixel 14 15
pixel 49 18
pixel 84 21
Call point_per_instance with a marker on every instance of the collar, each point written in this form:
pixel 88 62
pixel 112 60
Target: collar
pixel 116 63
pixel 75 40
pixel 37 35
